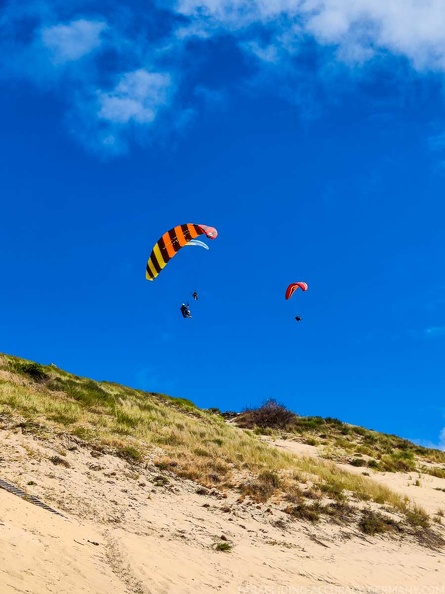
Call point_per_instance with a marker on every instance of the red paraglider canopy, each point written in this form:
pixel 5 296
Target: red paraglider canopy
pixel 293 287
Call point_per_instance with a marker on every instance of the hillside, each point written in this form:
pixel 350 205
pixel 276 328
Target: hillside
pixel 156 495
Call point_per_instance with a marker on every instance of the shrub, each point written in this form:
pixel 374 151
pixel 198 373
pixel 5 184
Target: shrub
pixel 57 460
pixel 294 494
pixel 357 462
pixel 308 423
pixel 33 370
pixel 398 462
pixel 222 546
pixel 333 491
pixel 160 481
pixel 271 414
pixel 437 472
pixel 418 517
pixel 339 512
pixel 304 512
pixel 218 441
pixel 215 411
pixel 202 452
pixel 165 463
pixel 373 464
pixel 374 523
pixel 334 421
pixel 263 487
pixel 311 441
pixel 270 478
pixel 130 454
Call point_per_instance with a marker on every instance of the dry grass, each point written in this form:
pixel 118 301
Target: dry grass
pixel 176 436
pixel 344 443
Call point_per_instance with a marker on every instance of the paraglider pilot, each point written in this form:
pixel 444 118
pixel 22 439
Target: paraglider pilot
pixel 195 296
pixel 185 311
pixel 298 318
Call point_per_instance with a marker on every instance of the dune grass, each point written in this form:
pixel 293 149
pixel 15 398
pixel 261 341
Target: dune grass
pixel 173 434
pixel 343 442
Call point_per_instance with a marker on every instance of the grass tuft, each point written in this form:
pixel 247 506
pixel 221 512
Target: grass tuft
pixel 373 523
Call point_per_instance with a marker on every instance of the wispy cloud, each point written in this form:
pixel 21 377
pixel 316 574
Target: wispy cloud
pixel 73 41
pixel 119 68
pixel 434 332
pixel 426 333
pixel 439 445
pixel 137 98
pixel 411 28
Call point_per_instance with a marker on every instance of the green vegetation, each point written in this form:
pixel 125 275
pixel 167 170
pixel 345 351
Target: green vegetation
pixel 222 546
pixel 271 415
pixel 374 523
pixel 342 442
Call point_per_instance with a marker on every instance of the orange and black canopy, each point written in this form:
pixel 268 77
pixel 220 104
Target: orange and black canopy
pixel 171 242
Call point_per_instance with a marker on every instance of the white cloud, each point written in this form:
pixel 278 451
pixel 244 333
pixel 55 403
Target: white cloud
pixel 267 53
pixel 81 55
pixel 68 43
pixel 238 14
pixel 411 28
pixel 137 97
pixel 101 68
pixel 414 29
pixel 106 122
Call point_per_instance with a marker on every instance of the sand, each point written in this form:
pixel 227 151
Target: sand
pixel 134 531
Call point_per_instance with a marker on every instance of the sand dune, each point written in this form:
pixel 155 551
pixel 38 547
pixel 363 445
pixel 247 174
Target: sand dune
pixel 129 530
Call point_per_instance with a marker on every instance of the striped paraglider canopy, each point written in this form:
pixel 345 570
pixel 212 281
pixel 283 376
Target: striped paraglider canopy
pixel 170 244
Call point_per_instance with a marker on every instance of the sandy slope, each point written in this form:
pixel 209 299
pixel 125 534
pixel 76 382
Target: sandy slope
pixel 128 532
pixel 421 489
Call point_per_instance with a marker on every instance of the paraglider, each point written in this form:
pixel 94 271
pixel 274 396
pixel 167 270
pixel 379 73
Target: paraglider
pixel 185 311
pixel 293 287
pixel 291 290
pixel 171 242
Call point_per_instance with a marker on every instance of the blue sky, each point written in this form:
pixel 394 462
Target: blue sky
pixel 310 133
